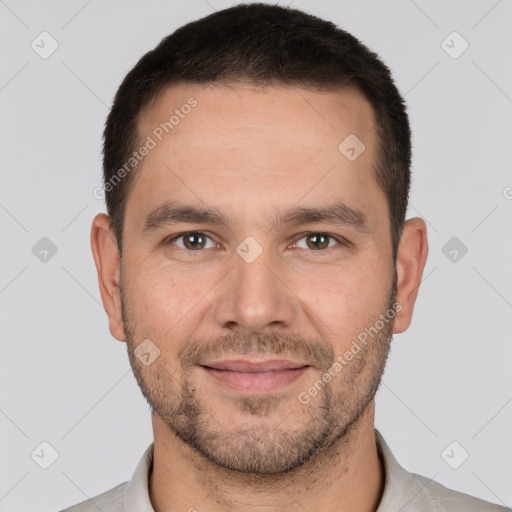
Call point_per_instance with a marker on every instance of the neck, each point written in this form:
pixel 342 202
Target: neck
pixel 345 477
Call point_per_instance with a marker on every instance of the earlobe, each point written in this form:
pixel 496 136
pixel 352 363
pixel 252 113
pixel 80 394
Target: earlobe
pixel 108 267
pixel 411 259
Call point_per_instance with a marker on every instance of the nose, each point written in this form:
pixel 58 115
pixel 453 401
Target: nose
pixel 255 297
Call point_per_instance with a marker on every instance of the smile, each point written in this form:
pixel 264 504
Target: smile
pixel 255 381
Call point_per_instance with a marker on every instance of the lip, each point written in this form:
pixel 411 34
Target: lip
pixel 243 376
pixel 247 366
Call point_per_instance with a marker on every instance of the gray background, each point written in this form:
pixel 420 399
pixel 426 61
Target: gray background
pixel 65 381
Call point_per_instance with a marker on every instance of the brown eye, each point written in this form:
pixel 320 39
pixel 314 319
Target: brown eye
pixel 192 240
pixel 318 241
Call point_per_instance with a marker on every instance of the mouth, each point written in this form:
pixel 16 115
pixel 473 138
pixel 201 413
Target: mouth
pixel 255 376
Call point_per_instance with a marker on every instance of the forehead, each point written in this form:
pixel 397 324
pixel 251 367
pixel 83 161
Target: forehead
pixel 229 113
pixel 254 145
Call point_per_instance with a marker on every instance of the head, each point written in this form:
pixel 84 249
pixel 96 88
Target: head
pixel 257 171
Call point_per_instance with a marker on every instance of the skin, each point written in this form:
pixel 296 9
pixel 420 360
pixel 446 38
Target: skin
pixel 252 152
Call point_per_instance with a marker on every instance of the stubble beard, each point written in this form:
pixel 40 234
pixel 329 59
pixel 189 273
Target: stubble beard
pixel 257 447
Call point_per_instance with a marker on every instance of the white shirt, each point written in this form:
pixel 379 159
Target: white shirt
pixel 403 491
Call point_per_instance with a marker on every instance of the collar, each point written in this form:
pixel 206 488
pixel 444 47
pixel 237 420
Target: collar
pixel 400 486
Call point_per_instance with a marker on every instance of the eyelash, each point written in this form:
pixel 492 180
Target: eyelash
pixel 341 241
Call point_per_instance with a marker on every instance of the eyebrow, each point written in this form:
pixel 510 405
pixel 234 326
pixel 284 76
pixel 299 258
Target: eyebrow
pixel 172 212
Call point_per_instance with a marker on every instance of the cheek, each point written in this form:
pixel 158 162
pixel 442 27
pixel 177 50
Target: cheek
pixel 163 297
pixel 344 303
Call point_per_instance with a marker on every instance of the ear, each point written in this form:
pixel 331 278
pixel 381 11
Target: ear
pixel 411 258
pixel 108 265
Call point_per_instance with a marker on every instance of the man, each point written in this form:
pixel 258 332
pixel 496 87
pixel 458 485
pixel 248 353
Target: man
pixel 256 261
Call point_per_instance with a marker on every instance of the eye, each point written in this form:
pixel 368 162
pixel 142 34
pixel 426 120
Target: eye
pixel 197 240
pixel 317 241
pixel 192 240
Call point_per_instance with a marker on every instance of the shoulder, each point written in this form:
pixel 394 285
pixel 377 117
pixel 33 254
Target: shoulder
pixel 410 492
pixel 109 501
pixel 432 496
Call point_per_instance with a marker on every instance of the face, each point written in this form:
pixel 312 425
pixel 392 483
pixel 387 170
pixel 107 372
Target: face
pixel 258 274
